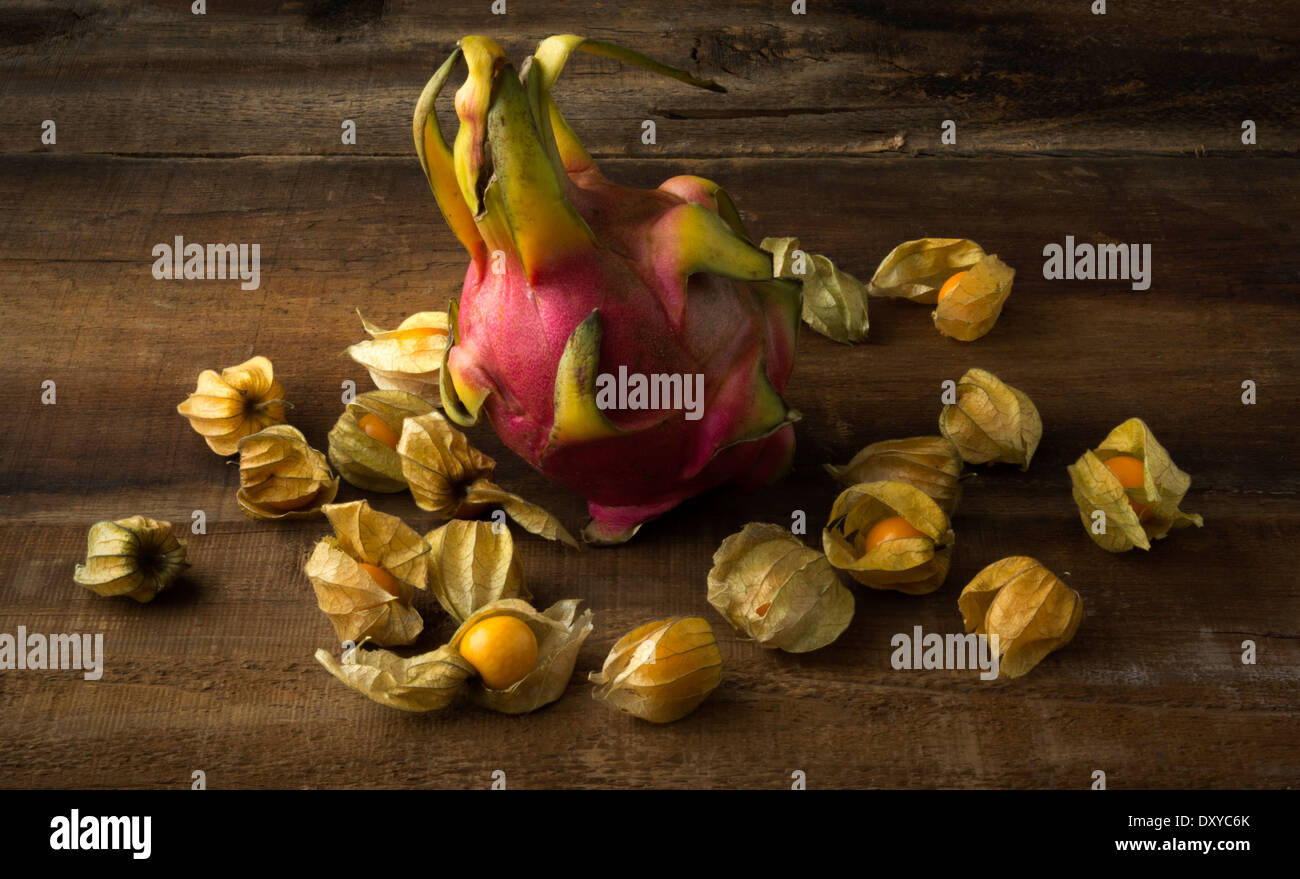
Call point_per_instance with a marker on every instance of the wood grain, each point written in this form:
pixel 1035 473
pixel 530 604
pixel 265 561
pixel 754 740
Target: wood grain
pixel 226 129
pixel 1018 76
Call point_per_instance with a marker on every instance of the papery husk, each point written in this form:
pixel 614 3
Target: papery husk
pixel 359 458
pixel 560 631
pixel 472 564
pixel 137 557
pixel 971 308
pixel 1027 606
pixel 834 302
pixel 916 269
pixel 1163 489
pixel 661 671
pixel 242 400
pixel 410 365
pixel 359 607
pixel 777 591
pixel 277 466
pixel 930 463
pixel 439 464
pixel 452 479
pixel 912 565
pixel 427 682
pixel 991 421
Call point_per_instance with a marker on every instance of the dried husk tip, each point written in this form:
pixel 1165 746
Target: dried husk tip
pixel 407 358
pixel 427 682
pixel 452 479
pixel 661 671
pixel 777 591
pixel 930 463
pixel 239 401
pixel 991 421
pixel 282 477
pixel 1026 606
pixel 137 557
pixel 472 564
pixel 915 270
pixel 914 565
pixel 834 302
pixel 1132 517
pixel 363 442
pixel 366 574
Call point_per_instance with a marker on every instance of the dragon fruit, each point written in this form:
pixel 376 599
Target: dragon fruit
pixel 574 279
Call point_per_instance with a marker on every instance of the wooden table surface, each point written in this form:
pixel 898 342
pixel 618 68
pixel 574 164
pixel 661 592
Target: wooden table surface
pixel 226 127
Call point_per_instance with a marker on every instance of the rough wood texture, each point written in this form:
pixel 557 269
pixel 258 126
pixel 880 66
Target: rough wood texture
pixel 225 128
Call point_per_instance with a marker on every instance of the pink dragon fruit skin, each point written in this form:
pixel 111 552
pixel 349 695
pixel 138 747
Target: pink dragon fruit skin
pixel 572 276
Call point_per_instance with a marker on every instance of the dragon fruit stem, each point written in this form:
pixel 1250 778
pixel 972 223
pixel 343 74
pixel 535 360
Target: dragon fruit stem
pixel 533 200
pixel 436 159
pixel 544 69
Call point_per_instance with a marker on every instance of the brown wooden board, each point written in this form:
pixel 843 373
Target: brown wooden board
pixel 1122 128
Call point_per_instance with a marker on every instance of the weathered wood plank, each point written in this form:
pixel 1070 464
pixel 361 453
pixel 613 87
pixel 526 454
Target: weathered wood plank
pixel 1017 77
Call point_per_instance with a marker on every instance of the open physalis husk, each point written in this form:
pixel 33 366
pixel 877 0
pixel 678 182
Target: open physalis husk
pixel 834 302
pixel 407 358
pixel 1026 606
pixel 560 631
pixel 355 602
pixel 427 682
pixel 777 591
pixel 453 479
pixel 931 463
pixel 361 459
pixel 281 477
pixel 137 557
pixel 243 399
pixel 972 307
pixel 472 564
pixel 661 671
pixel 1163 488
pixel 991 421
pixel 431 681
pixel 912 565
pixel 916 270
